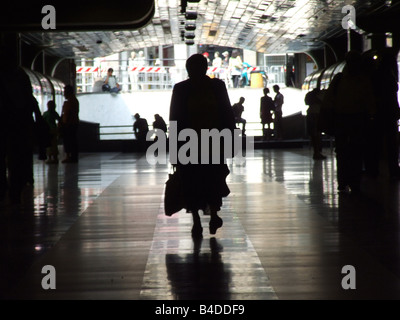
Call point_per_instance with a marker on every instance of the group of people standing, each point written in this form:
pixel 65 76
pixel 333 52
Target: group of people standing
pixel 23 127
pixel 270 114
pixel 228 69
pixel 64 126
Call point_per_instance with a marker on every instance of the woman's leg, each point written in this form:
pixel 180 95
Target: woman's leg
pixel 215 221
pixel 197 230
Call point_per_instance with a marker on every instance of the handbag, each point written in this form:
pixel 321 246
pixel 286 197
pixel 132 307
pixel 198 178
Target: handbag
pixel 173 196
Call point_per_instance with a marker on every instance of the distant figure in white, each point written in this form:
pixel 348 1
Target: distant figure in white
pixel 135 63
pixel 217 63
pixel 225 74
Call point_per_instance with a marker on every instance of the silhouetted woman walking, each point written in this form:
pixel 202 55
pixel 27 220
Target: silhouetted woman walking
pixel 202 103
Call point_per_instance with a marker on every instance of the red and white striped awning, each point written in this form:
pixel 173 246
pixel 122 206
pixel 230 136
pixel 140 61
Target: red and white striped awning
pixel 137 69
pixel 87 69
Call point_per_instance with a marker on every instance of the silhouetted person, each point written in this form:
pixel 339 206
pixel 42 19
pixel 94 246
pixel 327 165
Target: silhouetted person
pixel 140 128
pixel 267 108
pixel 388 112
pixel 52 118
pixel 238 109
pixel 278 101
pixel 314 101
pixel 69 125
pixel 351 97
pixel 159 123
pixel 17 107
pixel 372 147
pixel 202 103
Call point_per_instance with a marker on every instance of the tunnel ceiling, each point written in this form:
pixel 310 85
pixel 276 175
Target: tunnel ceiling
pixel 269 26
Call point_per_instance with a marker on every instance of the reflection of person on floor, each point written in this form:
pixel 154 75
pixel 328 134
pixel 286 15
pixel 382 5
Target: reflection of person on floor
pixel 199 275
pixel 202 103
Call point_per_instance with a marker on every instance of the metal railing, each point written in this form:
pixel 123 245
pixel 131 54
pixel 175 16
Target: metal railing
pixel 125 132
pixel 162 77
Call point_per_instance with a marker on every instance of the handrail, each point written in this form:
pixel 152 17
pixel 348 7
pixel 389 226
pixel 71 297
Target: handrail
pixel 250 127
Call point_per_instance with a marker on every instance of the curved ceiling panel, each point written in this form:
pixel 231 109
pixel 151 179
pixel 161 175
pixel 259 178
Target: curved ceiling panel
pixel 87 15
pixel 269 26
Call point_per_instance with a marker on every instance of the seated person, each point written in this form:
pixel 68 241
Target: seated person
pixel 159 123
pixel 238 109
pixel 110 82
pixel 140 127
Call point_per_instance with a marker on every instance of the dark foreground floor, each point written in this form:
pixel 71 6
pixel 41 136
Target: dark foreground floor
pixel 287 234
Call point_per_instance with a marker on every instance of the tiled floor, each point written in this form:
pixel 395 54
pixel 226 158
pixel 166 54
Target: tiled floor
pixel 287 234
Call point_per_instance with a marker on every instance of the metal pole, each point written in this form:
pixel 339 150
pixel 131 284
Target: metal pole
pixel 348 39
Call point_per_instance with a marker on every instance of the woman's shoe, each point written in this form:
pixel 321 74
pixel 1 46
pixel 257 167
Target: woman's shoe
pixel 215 223
pixel 197 231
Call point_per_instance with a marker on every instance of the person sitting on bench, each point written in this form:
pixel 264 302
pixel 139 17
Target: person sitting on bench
pixel 238 109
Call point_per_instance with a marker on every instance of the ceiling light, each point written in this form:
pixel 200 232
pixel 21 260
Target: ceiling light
pixel 189 35
pixel 192 15
pixel 190 27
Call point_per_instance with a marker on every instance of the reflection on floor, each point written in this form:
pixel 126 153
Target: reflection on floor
pixel 287 234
